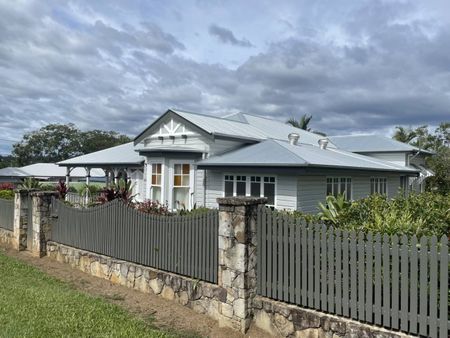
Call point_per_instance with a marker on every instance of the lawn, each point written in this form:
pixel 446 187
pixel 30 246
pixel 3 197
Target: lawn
pixel 33 304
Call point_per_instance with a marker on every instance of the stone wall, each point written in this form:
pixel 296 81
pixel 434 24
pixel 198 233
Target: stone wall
pixel 284 320
pixel 6 238
pixel 200 296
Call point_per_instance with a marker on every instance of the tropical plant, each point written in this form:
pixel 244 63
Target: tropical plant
pixel 62 190
pixel 194 211
pixel 121 190
pixel 30 183
pixel 302 123
pixel 333 208
pixel 405 135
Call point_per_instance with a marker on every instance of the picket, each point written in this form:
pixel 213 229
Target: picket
pixel 380 280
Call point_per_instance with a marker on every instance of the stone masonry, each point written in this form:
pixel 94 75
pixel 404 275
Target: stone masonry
pixel 41 221
pixel 6 238
pixel 237 257
pixel 21 221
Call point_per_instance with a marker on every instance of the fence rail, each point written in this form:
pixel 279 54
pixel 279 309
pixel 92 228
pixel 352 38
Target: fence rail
pixel 7 214
pixel 398 283
pixel 81 200
pixel 185 245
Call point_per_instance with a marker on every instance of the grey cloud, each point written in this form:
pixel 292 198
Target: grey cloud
pixel 226 36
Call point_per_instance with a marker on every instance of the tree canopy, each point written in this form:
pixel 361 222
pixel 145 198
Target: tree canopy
pixel 437 141
pixel 58 142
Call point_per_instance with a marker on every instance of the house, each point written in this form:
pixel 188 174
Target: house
pixel 46 172
pixel 189 159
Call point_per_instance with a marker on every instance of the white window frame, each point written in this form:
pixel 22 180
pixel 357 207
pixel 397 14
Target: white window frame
pixel 339 185
pixel 248 185
pixel 149 174
pixel 191 182
pixel 378 181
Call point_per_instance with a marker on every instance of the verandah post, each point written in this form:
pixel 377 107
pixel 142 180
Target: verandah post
pixel 237 258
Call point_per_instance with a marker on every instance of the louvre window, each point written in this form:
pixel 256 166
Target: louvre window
pixel 378 185
pixel 339 185
pixel 256 186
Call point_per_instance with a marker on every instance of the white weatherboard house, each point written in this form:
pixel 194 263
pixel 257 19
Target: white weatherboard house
pixel 190 159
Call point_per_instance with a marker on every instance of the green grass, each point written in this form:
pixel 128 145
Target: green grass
pixel 33 304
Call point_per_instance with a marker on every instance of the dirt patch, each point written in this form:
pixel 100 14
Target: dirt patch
pixel 167 315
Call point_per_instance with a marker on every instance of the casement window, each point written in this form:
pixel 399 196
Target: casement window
pixel 257 186
pixel 339 185
pixel 378 185
pixel 181 185
pixel 156 182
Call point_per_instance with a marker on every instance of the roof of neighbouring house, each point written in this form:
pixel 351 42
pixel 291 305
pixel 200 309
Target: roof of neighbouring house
pixel 46 170
pixel 372 144
pixel 242 126
pixel 284 154
pixel 123 154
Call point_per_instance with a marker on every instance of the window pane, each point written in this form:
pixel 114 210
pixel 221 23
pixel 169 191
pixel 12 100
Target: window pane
pixel 185 180
pixel 177 180
pixel 186 169
pixel 343 183
pixel 349 189
pixel 158 180
pixel 153 179
pixel 156 194
pixel 228 188
pixel 269 192
pixel 335 186
pixel 329 188
pixel 240 188
pixel 181 197
pixel 177 169
pixel 255 189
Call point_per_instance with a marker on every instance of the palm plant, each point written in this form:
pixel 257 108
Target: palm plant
pixel 302 123
pixel 30 183
pixel 405 135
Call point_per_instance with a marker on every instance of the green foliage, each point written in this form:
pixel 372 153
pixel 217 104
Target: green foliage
pixel 333 208
pixel 7 194
pixel 48 187
pixel 36 305
pixel 194 211
pixel 440 164
pixel 302 123
pixel 57 142
pixel 417 214
pixel 121 190
pixel 30 183
pixel 6 161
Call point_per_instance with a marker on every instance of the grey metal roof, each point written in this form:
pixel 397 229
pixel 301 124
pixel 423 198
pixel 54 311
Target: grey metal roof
pixel 283 154
pixel 242 126
pixel 372 143
pixel 12 172
pixel 123 154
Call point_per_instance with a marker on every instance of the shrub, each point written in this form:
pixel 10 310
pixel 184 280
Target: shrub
pixel 416 214
pixel 7 194
pixel 30 183
pixel 122 190
pixel 152 207
pixel 48 187
pixel 7 186
pixel 61 188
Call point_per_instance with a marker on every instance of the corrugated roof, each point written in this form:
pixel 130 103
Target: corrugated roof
pixel 372 143
pixel 12 172
pixel 283 154
pixel 120 155
pixel 53 170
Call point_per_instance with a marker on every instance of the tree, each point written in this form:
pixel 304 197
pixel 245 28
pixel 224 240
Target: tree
pixel 57 142
pixel 6 161
pixel 404 135
pixel 302 123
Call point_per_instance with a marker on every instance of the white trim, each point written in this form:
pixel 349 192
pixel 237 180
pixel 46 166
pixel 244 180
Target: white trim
pixel 339 185
pixel 157 160
pixel 378 185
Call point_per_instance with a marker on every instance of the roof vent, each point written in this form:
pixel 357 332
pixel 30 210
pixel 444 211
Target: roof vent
pixel 293 138
pixel 323 143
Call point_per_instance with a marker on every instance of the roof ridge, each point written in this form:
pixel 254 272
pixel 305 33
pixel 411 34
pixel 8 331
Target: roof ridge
pixel 205 115
pixel 287 143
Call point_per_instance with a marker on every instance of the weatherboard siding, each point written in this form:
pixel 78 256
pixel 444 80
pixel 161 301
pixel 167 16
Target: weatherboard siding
pixel 396 158
pixel 214 188
pixel 286 192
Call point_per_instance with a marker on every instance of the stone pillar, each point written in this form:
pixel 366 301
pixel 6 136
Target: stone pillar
pixel 41 223
pixel 237 258
pixel 21 221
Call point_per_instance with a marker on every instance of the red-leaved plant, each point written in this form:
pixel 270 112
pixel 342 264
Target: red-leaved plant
pixel 7 186
pixel 152 207
pixel 61 188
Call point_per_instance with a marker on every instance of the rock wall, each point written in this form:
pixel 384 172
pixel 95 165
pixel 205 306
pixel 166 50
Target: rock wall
pixel 284 320
pixel 6 238
pixel 200 296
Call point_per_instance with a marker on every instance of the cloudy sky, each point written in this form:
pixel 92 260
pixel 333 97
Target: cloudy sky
pixel 356 66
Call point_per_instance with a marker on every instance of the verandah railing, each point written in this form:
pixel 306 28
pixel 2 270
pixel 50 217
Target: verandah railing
pixel 7 214
pixel 185 245
pixel 398 283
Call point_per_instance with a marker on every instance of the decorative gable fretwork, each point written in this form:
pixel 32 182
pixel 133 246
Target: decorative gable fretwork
pixel 172 128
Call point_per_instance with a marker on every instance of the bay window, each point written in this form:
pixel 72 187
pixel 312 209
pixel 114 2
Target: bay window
pixel 156 182
pixel 181 185
pixel 339 185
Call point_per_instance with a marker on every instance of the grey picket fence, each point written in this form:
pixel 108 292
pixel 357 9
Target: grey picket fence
pixel 7 214
pixel 397 283
pixel 185 245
